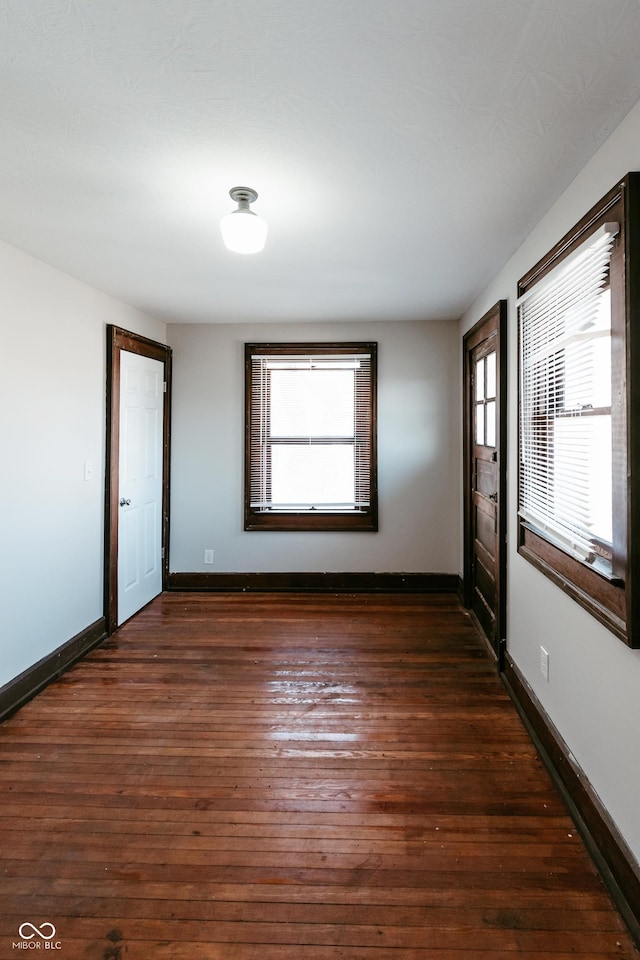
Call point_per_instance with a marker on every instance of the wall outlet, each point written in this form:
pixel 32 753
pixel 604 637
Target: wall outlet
pixel 208 556
pixel 544 663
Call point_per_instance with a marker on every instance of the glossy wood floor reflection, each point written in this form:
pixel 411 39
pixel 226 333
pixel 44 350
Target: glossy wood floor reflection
pixel 282 777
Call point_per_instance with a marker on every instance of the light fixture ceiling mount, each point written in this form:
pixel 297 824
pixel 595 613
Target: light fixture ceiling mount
pixel 243 195
pixel 242 230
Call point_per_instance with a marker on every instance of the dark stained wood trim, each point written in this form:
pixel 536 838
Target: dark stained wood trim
pixel 117 340
pixel 575 236
pixel 365 522
pixel 607 847
pixel 308 522
pixel 632 329
pixel 496 317
pixel 25 686
pixel 316 582
pixel 614 602
pixel 602 598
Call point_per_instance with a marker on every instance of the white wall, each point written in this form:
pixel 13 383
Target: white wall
pixel 592 695
pixel 52 409
pixel 418 453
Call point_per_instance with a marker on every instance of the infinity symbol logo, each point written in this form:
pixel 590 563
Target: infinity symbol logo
pixel 37 931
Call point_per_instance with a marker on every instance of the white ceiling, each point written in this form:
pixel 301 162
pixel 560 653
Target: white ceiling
pixel 401 149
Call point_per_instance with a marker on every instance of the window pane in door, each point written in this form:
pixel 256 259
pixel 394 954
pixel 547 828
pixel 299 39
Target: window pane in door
pixel 491 375
pixel 491 423
pixel 479 416
pixel 479 378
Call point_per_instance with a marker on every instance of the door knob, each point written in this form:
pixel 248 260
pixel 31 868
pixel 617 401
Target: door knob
pixel 125 503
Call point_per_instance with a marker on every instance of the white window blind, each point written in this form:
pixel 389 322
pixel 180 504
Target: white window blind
pixel 565 401
pixel 310 432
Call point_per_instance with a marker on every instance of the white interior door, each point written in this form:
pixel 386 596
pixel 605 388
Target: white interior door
pixel 140 482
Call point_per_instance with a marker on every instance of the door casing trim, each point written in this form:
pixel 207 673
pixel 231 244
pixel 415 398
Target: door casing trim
pixel 498 316
pixel 118 340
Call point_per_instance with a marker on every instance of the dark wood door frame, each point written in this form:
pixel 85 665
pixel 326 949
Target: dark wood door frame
pixel 118 340
pixel 496 317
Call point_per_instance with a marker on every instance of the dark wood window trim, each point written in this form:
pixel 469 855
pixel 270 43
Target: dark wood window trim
pixel 365 520
pixel 613 600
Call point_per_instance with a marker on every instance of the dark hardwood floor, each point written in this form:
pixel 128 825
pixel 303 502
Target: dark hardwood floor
pixel 289 777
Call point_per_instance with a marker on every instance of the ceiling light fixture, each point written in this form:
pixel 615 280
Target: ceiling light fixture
pixel 242 230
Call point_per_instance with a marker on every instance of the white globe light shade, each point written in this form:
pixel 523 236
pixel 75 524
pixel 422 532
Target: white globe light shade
pixel 243 231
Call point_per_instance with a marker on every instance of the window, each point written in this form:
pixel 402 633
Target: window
pixel 485 401
pixel 310 444
pixel 575 436
pixel 565 407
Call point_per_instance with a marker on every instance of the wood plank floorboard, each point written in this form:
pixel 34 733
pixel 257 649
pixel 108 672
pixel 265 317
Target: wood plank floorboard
pixel 289 777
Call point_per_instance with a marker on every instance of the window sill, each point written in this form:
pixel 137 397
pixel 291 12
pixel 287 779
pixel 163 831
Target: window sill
pixel 599 566
pixel 602 596
pixel 310 521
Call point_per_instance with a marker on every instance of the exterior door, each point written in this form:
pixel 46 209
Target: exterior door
pixel 137 477
pixel 485 475
pixel 140 483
